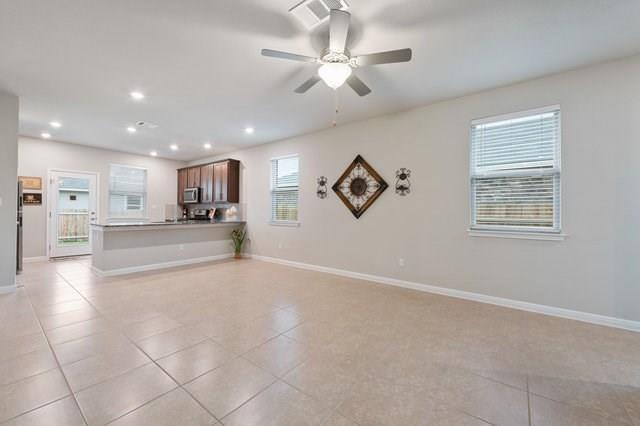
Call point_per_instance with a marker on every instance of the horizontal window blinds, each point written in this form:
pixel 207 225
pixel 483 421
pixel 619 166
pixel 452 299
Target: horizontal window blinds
pixel 127 192
pixel 284 189
pixel 515 172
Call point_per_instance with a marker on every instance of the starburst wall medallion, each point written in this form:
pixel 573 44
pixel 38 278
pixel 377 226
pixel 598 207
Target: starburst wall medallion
pixel 359 186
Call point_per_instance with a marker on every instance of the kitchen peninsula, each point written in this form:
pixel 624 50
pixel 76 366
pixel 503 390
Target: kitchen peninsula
pixel 122 248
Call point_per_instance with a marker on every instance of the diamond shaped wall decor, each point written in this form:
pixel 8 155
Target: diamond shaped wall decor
pixel 359 186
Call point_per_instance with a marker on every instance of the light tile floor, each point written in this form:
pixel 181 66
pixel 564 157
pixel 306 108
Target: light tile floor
pixel 252 343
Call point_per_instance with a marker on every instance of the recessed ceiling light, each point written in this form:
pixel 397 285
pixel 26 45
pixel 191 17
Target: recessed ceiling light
pixel 153 154
pixel 207 145
pixel 55 124
pixel 131 129
pixel 173 147
pixel 249 130
pixel 45 135
pixel 137 96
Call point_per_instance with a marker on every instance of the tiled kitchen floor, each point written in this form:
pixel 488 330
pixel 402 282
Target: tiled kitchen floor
pixel 253 343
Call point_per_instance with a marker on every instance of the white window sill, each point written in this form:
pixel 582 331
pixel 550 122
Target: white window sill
pixel 289 224
pixel 518 235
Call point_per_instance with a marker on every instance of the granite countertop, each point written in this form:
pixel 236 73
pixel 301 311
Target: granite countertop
pixel 165 224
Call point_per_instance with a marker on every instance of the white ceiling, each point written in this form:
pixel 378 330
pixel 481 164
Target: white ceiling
pixel 199 62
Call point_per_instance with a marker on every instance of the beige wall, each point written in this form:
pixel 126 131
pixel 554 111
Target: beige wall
pixel 8 189
pixel 36 157
pixel 595 269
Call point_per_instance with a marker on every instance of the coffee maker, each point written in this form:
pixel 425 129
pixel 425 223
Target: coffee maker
pixel 199 214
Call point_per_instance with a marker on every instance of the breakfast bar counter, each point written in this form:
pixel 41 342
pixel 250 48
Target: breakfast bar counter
pixel 128 247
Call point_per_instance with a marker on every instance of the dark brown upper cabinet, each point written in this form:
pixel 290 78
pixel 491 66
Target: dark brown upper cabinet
pixel 206 183
pixel 193 177
pixel 226 181
pixel 219 182
pixel 182 184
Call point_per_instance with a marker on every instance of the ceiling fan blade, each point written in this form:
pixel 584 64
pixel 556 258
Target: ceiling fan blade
pixel 308 84
pixel 285 55
pixel 358 85
pixel 390 57
pixel 338 30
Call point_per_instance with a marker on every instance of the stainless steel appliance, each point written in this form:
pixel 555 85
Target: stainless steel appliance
pixel 19 233
pixel 199 214
pixel 192 195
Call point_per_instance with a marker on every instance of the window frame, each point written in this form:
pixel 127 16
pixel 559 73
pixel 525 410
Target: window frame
pixel 272 220
pixel 145 195
pixel 514 231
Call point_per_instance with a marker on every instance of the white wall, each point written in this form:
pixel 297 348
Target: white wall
pixel 8 189
pixel 595 269
pixel 36 157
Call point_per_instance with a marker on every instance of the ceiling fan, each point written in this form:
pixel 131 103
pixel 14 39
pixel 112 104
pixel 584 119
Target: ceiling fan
pixel 337 64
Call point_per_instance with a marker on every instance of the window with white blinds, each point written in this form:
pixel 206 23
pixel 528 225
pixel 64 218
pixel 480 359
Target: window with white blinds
pixel 284 189
pixel 515 172
pixel 127 192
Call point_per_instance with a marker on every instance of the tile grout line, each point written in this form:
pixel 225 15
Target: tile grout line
pixel 11 358
pixel 601 416
pixel 330 410
pixel 476 417
pixel 55 357
pixel 31 375
pixel 34 409
pixel 179 386
pixel 528 401
pixel 236 356
pixel 250 399
pixel 137 408
pixel 73 394
pixel 164 371
pixel 277 378
pixel 530 395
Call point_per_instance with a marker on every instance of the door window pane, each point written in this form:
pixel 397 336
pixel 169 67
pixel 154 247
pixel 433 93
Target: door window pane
pixel 73 212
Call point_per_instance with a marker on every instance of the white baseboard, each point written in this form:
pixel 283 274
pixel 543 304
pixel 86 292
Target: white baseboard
pixel 460 294
pixel 35 259
pixel 6 289
pixel 164 265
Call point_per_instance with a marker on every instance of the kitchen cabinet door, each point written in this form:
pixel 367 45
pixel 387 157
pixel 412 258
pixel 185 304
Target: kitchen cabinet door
pixel 182 184
pixel 233 181
pixel 226 178
pixel 220 182
pixel 206 183
pixel 193 177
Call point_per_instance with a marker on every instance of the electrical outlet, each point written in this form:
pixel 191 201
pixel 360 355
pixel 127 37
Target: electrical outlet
pixel 401 262
pixel 280 245
pixel 181 247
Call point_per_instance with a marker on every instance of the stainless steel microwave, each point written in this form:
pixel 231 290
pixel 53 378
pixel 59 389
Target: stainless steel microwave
pixel 191 195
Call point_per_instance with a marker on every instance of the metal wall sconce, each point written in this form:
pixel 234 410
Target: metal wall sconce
pixel 321 192
pixel 403 184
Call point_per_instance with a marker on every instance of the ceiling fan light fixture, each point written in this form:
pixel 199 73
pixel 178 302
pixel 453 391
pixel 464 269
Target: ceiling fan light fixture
pixel 334 74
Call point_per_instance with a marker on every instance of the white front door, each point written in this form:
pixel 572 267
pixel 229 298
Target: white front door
pixel 72 207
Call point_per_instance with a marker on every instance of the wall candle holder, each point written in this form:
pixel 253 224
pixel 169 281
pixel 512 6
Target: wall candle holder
pixel 403 184
pixel 321 192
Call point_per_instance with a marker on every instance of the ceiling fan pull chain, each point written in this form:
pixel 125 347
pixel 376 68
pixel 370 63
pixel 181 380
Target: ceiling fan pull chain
pixel 335 99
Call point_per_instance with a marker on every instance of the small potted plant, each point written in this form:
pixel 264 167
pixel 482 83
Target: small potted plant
pixel 238 236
